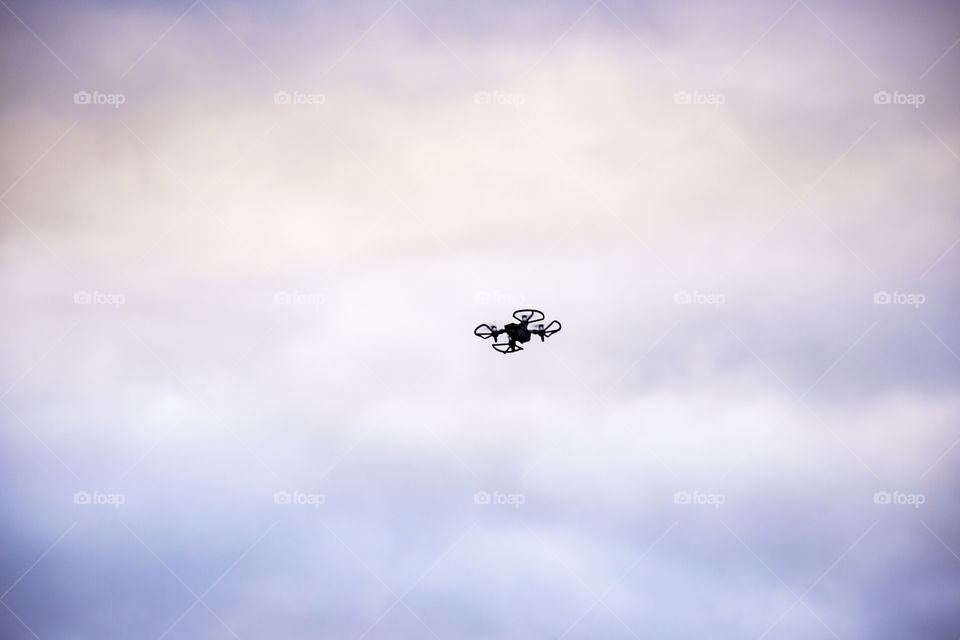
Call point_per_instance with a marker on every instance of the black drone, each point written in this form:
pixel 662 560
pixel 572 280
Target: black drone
pixel 517 332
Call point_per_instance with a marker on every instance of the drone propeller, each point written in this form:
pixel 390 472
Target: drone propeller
pixel 485 331
pixel 549 330
pixel 528 315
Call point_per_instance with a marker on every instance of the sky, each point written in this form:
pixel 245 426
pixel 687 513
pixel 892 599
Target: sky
pixel 243 248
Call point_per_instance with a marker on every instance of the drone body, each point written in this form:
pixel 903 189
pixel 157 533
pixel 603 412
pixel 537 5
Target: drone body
pixel 518 332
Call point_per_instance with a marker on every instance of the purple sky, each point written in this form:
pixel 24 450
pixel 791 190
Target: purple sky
pixel 243 248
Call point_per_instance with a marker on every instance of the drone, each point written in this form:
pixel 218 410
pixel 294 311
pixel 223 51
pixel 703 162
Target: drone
pixel 518 332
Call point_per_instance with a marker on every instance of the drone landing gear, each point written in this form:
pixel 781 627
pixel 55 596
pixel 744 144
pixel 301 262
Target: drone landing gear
pixel 506 347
